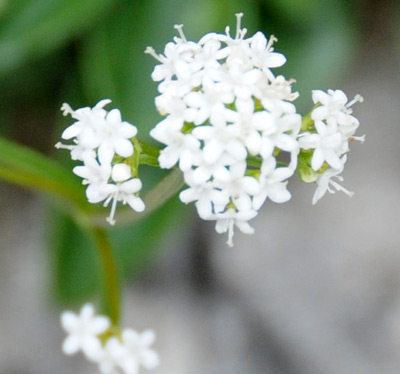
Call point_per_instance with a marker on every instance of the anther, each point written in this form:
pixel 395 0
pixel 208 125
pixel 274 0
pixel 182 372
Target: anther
pixel 357 98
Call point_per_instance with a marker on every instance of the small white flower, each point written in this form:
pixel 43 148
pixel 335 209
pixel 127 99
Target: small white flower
pixel 93 172
pixel 83 331
pixel 227 220
pixel 121 188
pixel 334 108
pixel 98 137
pixel 111 355
pixel 181 148
pixel 113 136
pixel 263 54
pixel 209 199
pixel 137 352
pixel 326 183
pixel 272 183
pixel 98 129
pixel 326 143
pixel 86 117
pixel 125 192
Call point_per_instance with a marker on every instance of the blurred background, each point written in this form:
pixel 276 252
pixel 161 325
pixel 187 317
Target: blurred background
pixel 316 290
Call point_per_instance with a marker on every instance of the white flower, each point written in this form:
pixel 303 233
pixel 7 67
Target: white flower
pixel 111 355
pixel 326 143
pixel 227 220
pixel 224 106
pixel 125 352
pixel 113 136
pixel 93 172
pixel 136 351
pixel 86 118
pixel 103 142
pixel 334 108
pixel 335 127
pixel 120 188
pixel 272 184
pixel 208 197
pixel 83 331
pixel 263 54
pixel 125 192
pixel 98 129
pixel 326 183
pixel 182 148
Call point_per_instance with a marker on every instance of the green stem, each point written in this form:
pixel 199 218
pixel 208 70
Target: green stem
pixel 111 300
pixel 307 123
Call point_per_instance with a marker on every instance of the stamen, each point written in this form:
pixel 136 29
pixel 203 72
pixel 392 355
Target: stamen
pixel 341 188
pixel 180 31
pixel 110 219
pixel 227 29
pixel 242 33
pixel 60 145
pixel 66 109
pixel 357 98
pixel 108 200
pixel 272 40
pixel 357 138
pixel 238 22
pixel 151 51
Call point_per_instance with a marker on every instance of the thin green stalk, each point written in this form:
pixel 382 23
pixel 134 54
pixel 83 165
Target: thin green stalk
pixel 111 298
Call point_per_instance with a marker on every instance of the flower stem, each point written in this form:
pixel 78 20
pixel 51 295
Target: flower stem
pixel 111 298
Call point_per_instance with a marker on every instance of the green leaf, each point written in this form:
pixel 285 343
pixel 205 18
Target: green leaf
pixel 138 244
pixel 77 273
pixel 31 169
pixel 76 270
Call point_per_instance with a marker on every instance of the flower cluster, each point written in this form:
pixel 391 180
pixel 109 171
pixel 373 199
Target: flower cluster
pixel 122 352
pixel 325 141
pixel 103 142
pixel 229 124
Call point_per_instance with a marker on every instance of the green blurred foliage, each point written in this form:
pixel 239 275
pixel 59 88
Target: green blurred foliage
pixel 81 51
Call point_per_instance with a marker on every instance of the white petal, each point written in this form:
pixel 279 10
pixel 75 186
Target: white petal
pixel 150 359
pixel 69 321
pixel 71 345
pixel 136 203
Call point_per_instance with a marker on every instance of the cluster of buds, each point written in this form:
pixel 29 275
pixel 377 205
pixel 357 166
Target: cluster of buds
pixel 114 351
pixel 105 145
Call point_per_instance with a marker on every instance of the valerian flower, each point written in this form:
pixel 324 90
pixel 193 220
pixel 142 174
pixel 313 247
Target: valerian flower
pixel 328 139
pixel 102 141
pixel 223 104
pixel 114 351
pixel 83 330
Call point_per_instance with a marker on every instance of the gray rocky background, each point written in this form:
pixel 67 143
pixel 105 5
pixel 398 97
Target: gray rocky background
pixel 316 290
